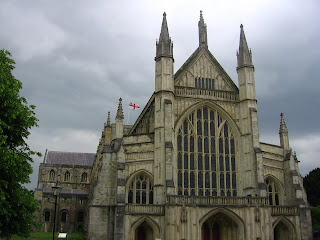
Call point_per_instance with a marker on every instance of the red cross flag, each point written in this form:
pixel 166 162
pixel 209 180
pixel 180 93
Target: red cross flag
pixel 134 106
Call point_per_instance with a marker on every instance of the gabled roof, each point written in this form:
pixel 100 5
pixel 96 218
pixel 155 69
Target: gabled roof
pixel 69 158
pixel 148 105
pixel 194 57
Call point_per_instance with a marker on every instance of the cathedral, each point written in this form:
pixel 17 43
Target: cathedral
pixel 192 165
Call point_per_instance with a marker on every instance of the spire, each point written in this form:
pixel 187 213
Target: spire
pixel 244 55
pixel 283 126
pixel 164 45
pixel 203 42
pixel 108 120
pixel 120 111
pixel 283 132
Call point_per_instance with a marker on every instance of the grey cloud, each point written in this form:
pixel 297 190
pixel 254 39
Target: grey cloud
pixel 77 58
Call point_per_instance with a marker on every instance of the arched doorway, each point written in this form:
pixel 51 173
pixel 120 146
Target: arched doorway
pixel 144 232
pixel 218 227
pixel 281 232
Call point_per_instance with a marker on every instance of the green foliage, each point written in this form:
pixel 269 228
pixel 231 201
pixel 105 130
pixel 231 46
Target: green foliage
pixel 16 119
pixel 315 213
pixel 311 183
pixel 48 236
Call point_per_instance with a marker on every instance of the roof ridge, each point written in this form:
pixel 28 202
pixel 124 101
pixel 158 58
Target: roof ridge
pixel 69 152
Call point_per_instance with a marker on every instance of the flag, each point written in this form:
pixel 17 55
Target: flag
pixel 134 106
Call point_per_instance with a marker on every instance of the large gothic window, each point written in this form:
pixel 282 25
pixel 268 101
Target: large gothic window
pixel 206 155
pixel 272 192
pixel 140 190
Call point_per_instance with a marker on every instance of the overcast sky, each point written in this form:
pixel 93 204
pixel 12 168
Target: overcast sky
pixel 77 58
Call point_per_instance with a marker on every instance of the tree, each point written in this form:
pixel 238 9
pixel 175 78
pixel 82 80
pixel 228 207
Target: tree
pixel 315 213
pixel 311 183
pixel 16 119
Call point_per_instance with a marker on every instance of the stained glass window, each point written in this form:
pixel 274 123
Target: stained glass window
pixel 140 190
pixel 272 192
pixel 206 158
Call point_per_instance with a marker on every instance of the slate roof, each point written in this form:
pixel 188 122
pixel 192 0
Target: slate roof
pixel 69 158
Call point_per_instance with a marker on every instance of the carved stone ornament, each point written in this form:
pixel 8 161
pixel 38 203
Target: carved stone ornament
pixel 184 217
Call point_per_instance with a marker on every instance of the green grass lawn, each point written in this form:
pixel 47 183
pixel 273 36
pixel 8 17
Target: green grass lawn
pixel 48 236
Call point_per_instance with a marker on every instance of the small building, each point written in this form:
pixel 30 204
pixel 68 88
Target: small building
pixel 73 172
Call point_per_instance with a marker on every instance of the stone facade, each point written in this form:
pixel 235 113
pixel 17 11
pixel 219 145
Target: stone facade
pixel 192 166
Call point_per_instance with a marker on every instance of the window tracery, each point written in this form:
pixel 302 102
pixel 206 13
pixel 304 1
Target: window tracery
pixel 206 158
pixel 140 190
pixel 272 192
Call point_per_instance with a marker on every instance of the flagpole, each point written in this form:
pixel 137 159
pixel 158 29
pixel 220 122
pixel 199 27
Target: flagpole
pixel 128 117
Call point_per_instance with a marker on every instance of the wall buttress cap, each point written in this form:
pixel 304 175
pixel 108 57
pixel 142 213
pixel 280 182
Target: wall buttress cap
pixel 203 41
pixel 108 120
pixel 244 55
pixel 164 45
pixel 283 126
pixel 120 111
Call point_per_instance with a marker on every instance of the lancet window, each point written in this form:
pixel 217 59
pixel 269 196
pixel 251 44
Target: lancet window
pixel 51 175
pixel 272 192
pixel 84 177
pixel 140 190
pixel 204 83
pixel 206 159
pixel 67 177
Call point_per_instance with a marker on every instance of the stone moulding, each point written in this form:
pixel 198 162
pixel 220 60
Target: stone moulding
pixel 284 210
pixel 140 209
pixel 206 93
pixel 195 200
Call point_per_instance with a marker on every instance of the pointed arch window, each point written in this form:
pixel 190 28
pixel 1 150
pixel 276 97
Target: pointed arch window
pixel 52 175
pixel 140 190
pixel 67 177
pixel 84 177
pixel 272 192
pixel 206 159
